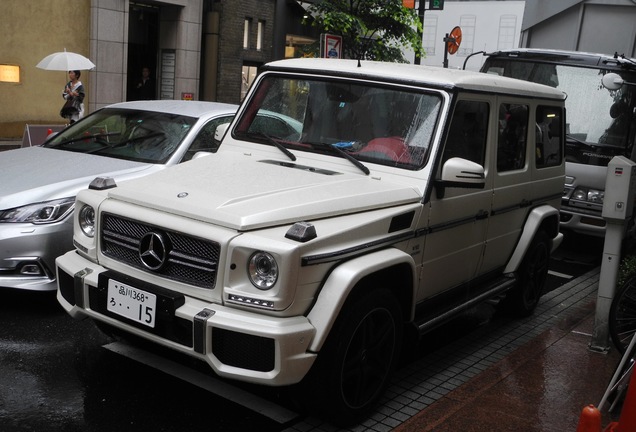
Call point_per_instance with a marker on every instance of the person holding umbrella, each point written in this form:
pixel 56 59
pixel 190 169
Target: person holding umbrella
pixel 74 90
pixel 74 95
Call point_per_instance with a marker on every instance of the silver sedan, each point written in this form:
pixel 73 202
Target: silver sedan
pixel 126 140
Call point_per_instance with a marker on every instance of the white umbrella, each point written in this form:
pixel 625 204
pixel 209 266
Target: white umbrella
pixel 65 61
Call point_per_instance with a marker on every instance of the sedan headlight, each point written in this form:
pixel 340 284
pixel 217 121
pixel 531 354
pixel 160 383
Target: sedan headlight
pixel 39 213
pixel 589 195
pixel 263 270
pixel 86 220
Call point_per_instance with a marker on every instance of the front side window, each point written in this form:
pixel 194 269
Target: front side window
pixel 468 132
pixel 513 130
pixel 206 140
pixel 392 126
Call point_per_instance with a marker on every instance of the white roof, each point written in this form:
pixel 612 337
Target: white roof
pixel 418 75
pixel 181 107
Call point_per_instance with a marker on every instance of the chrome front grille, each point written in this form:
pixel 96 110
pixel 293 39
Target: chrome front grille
pixel 189 259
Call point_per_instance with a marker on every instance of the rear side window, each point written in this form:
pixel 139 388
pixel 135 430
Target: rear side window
pixel 549 150
pixel 513 132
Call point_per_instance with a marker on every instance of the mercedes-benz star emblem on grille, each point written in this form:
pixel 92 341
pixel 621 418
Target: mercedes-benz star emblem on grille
pixel 153 250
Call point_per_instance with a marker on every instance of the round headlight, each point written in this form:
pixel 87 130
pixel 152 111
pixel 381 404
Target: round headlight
pixel 86 220
pixel 263 270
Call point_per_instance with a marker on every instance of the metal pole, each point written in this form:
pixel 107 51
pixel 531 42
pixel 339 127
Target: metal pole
pixel 446 40
pixel 620 186
pixel 420 33
pixel 607 285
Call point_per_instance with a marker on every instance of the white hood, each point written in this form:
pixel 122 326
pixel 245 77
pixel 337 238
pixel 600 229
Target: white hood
pixel 36 174
pixel 243 192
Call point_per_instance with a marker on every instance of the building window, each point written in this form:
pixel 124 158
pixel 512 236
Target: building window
pixel 428 35
pixel 248 75
pixel 260 35
pixel 246 32
pixel 467 23
pixel 507 28
pixel 9 73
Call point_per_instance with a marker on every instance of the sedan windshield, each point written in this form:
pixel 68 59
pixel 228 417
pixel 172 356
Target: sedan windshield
pixel 143 136
pixel 357 121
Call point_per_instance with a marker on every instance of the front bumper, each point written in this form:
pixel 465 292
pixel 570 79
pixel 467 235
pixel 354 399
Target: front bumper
pixel 236 344
pixel 582 221
pixel 28 252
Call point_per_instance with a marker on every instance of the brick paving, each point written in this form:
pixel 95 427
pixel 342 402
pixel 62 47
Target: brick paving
pixel 433 376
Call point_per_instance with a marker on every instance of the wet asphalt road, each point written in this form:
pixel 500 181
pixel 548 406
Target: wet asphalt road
pixel 55 375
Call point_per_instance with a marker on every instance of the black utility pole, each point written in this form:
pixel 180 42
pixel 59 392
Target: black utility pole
pixel 420 14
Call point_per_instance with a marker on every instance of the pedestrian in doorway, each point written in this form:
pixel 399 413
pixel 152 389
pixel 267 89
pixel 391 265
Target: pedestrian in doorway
pixel 145 89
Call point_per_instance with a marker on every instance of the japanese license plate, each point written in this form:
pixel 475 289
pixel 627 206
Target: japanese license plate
pixel 132 303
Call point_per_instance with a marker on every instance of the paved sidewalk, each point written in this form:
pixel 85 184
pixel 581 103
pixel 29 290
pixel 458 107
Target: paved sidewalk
pixel 533 374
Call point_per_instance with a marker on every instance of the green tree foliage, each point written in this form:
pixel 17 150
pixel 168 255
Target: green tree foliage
pixel 370 29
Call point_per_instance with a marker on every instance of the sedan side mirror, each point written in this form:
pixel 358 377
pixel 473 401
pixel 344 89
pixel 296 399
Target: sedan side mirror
pixel 220 131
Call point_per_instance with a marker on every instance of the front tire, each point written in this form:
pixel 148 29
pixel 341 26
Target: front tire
pixel 533 273
pixel 354 368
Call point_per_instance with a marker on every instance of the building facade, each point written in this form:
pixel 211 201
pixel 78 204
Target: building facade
pixel 599 26
pixel 194 49
pixel 486 25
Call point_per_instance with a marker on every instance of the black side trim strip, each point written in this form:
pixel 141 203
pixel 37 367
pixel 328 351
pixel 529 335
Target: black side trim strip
pixel 525 203
pixel 480 215
pixel 366 247
pixel 355 250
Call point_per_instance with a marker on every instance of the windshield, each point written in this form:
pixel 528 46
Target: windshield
pixel 391 126
pixel 600 123
pixel 143 136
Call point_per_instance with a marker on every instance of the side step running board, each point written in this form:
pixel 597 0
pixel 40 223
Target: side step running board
pixel 499 286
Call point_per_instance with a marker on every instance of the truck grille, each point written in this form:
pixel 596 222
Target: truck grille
pixel 188 259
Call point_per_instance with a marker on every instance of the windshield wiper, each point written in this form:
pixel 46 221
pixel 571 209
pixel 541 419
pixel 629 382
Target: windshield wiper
pixel 576 140
pixel 338 151
pixel 275 143
pixel 123 143
pixel 83 137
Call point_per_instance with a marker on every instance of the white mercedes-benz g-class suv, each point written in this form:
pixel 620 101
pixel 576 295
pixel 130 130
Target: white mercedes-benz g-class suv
pixel 378 199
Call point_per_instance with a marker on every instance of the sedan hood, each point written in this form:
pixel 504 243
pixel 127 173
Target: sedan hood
pixel 36 174
pixel 240 192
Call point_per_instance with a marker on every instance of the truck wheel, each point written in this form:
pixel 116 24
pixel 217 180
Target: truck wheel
pixel 355 366
pixel 533 272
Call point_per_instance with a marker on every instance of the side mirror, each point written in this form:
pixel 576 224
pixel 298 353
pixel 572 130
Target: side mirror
pixel 220 131
pixel 199 155
pixel 612 81
pixel 461 173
